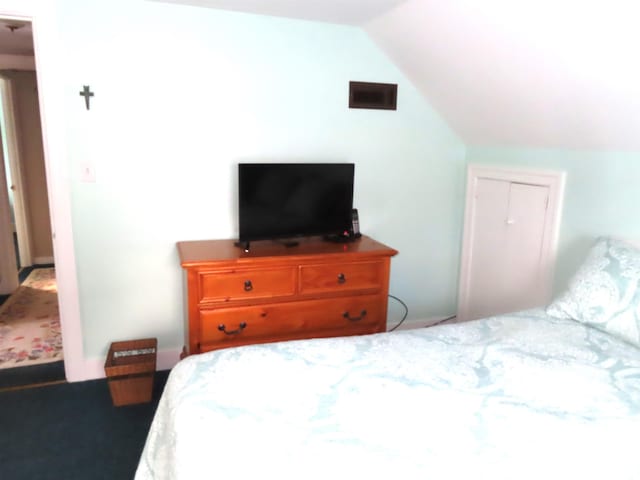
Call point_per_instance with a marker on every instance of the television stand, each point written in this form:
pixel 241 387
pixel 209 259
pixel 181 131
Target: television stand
pixel 317 289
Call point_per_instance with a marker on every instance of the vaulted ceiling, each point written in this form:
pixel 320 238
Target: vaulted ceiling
pixel 541 73
pixel 352 12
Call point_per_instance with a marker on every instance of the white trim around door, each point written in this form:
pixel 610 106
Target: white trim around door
pixel 553 180
pixel 52 112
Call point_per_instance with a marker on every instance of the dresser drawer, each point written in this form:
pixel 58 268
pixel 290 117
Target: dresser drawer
pixel 234 285
pixel 226 327
pixel 341 277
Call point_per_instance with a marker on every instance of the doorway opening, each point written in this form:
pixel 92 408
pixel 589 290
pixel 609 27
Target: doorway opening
pixel 31 345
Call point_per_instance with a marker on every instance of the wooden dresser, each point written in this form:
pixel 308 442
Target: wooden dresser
pixel 275 292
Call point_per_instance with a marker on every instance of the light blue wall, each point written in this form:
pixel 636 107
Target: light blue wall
pixel 601 195
pixel 182 94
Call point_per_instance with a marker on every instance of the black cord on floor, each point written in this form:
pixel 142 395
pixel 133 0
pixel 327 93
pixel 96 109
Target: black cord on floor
pixel 406 312
pixel 442 321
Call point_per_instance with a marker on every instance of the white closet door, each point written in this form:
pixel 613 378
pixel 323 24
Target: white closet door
pixel 487 272
pixel 522 267
pixel 509 243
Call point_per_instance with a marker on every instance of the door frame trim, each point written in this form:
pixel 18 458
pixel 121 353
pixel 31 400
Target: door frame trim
pixel 554 180
pixel 52 116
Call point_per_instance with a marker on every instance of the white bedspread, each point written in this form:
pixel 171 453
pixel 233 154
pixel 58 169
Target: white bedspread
pixel 516 396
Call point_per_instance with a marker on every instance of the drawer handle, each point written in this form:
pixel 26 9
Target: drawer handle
pixel 248 286
pixel 223 328
pixel 341 278
pixel 363 314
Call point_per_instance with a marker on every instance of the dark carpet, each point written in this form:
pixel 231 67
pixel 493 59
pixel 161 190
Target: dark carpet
pixel 72 431
pixel 20 376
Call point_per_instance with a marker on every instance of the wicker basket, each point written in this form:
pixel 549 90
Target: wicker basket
pixel 129 368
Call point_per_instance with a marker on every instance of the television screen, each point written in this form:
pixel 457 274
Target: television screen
pixel 283 200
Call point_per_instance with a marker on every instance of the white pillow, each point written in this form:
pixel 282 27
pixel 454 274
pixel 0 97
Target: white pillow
pixel 604 291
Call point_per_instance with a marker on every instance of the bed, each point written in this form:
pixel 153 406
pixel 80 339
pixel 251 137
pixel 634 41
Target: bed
pixel 533 394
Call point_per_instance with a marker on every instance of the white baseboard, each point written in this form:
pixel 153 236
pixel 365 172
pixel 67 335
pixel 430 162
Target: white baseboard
pixel 43 260
pixel 167 359
pixel 93 368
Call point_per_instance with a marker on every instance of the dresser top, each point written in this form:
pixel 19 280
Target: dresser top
pixel 198 252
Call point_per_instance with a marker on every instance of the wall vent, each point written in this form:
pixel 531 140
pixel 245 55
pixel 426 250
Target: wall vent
pixel 381 96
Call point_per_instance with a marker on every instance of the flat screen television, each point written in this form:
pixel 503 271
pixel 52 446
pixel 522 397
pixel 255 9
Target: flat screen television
pixel 287 200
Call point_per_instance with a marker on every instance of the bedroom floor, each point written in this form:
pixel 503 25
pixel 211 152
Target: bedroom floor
pixel 73 431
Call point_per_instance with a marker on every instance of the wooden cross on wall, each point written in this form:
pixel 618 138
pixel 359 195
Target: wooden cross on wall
pixel 87 94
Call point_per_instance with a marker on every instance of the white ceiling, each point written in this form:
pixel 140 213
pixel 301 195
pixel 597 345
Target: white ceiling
pixel 16 42
pixel 533 73
pixel 353 12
